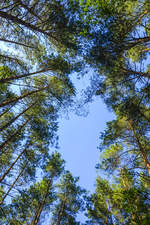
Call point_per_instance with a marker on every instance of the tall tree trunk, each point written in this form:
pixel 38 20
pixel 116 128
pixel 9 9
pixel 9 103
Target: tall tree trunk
pixel 140 40
pixel 136 41
pixel 11 58
pixel 109 211
pixel 4 80
pixel 6 111
pixel 2 145
pixel 14 19
pixel 143 154
pixel 21 97
pixel 38 213
pixel 141 74
pixel 17 43
pixel 145 50
pixel 133 215
pixel 13 184
pixel 12 165
pixel 15 118
pixel 61 212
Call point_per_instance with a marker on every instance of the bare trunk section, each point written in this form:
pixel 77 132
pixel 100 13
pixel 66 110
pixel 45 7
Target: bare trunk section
pixel 13 184
pixel 12 136
pixel 12 165
pixel 14 19
pixel 15 118
pixel 110 212
pixel 144 156
pixel 38 213
pixel 4 80
pixel 17 43
pixel 21 97
pixel 140 40
pixel 6 111
pixel 141 74
pixel 61 212
pixel 11 58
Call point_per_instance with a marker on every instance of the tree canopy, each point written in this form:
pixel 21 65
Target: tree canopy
pixel 43 42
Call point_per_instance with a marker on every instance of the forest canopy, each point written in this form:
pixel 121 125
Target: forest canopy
pixel 42 43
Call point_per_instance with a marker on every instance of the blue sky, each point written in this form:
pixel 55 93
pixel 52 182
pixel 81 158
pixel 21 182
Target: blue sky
pixel 79 136
pixel 79 139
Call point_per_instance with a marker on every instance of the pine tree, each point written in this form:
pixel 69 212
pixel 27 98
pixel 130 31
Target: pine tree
pixel 69 200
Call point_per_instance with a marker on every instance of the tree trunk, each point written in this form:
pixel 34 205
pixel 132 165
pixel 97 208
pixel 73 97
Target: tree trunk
pixel 15 118
pixel 140 40
pixel 17 43
pixel 145 50
pixel 12 165
pixel 3 198
pixel 21 97
pixel 141 74
pixel 4 80
pixel 38 213
pixel 110 213
pixel 144 156
pixel 14 19
pixel 61 212
pixel 5 111
pixel 12 136
pixel 11 58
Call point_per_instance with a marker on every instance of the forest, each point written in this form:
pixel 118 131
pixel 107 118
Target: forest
pixel 42 44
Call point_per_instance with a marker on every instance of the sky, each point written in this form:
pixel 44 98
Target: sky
pixel 79 138
pixel 79 135
pixel 79 141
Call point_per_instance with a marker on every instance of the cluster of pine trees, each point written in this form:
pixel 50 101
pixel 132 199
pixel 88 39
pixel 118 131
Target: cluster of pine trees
pixel 38 46
pixel 120 44
pixel 42 43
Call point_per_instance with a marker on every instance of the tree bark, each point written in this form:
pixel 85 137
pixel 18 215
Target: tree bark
pixel 61 212
pixel 38 213
pixel 144 156
pixel 12 165
pixel 17 43
pixel 15 118
pixel 3 80
pixel 6 111
pixel 3 198
pixel 140 40
pixel 14 19
pixel 109 211
pixel 12 136
pixel 21 97
pixel 11 58
pixel 142 74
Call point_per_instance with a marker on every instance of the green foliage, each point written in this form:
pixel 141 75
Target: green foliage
pixel 118 33
pixel 47 41
pixel 69 200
